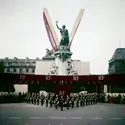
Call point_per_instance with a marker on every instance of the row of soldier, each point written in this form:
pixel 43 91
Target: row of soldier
pixel 74 100
pixel 50 98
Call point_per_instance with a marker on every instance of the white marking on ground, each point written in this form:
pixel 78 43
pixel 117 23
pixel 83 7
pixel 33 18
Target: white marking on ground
pixel 97 118
pixel 35 118
pixel 115 118
pixel 76 117
pixel 31 105
pixel 14 117
pixel 58 118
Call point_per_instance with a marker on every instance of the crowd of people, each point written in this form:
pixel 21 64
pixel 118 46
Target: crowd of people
pixel 61 100
pixel 6 97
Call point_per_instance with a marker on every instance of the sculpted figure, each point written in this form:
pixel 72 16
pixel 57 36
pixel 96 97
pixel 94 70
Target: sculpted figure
pixel 64 35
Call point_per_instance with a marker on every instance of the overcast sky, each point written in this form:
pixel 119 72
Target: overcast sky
pixel 22 31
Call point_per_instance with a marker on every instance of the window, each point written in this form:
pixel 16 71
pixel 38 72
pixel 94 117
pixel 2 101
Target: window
pixel 14 70
pixel 9 63
pixel 33 70
pixel 27 70
pixel 27 64
pixel 33 63
pixel 5 70
pixel 20 70
pixel 8 70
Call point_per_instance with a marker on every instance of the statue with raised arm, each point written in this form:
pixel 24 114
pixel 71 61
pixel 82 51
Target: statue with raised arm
pixel 64 35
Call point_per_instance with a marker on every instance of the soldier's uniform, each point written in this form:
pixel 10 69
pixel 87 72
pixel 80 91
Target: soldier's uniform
pixel 34 99
pixel 61 103
pixel 67 103
pixel 51 103
pixel 47 101
pixel 56 103
pixel 81 101
pixel 42 100
pixel 77 102
pixel 72 103
pixel 37 99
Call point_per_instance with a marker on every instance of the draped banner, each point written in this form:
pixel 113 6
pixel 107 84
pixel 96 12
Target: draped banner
pixel 49 32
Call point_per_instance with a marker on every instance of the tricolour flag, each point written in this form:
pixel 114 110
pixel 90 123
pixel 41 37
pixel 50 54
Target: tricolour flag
pixel 49 32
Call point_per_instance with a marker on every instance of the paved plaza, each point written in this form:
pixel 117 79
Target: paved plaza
pixel 28 114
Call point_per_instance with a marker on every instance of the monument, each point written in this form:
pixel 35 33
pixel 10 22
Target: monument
pixel 59 58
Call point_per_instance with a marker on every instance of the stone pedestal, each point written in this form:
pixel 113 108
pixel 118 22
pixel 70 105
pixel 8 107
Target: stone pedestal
pixel 62 54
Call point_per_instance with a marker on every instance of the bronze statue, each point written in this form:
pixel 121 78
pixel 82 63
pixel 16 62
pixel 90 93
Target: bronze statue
pixel 64 35
pixel 49 52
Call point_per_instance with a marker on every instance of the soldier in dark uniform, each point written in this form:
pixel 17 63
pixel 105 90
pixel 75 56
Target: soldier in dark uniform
pixel 91 100
pixel 67 102
pixel 32 98
pixel 56 103
pixel 77 102
pixel 81 101
pixel 108 98
pixel 42 100
pixel 38 99
pixel 72 103
pixel 51 102
pixel 61 103
pixel 86 99
pixel 47 101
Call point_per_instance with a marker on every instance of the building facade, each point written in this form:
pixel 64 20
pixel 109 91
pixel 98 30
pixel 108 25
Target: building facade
pixel 19 66
pixel 117 62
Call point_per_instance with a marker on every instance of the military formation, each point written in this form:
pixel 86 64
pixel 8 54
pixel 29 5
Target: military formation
pixel 61 101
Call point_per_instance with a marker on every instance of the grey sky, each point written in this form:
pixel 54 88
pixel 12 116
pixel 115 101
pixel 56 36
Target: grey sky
pixel 22 31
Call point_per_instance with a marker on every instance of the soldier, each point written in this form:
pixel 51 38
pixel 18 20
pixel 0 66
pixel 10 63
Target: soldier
pixel 86 99
pixel 72 103
pixel 42 100
pixel 34 99
pixel 81 101
pixel 47 101
pixel 68 103
pixel 91 99
pixel 77 102
pixel 61 103
pixel 37 99
pixel 51 102
pixel 56 103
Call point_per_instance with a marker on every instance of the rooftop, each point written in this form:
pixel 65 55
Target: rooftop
pixel 119 54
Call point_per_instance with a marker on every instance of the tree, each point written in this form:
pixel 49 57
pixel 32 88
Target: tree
pixel 2 67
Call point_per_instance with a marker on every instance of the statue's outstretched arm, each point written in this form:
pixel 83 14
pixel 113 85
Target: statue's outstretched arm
pixel 58 26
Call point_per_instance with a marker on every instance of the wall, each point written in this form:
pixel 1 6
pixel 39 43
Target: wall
pixel 21 88
pixel 83 68
pixel 43 67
